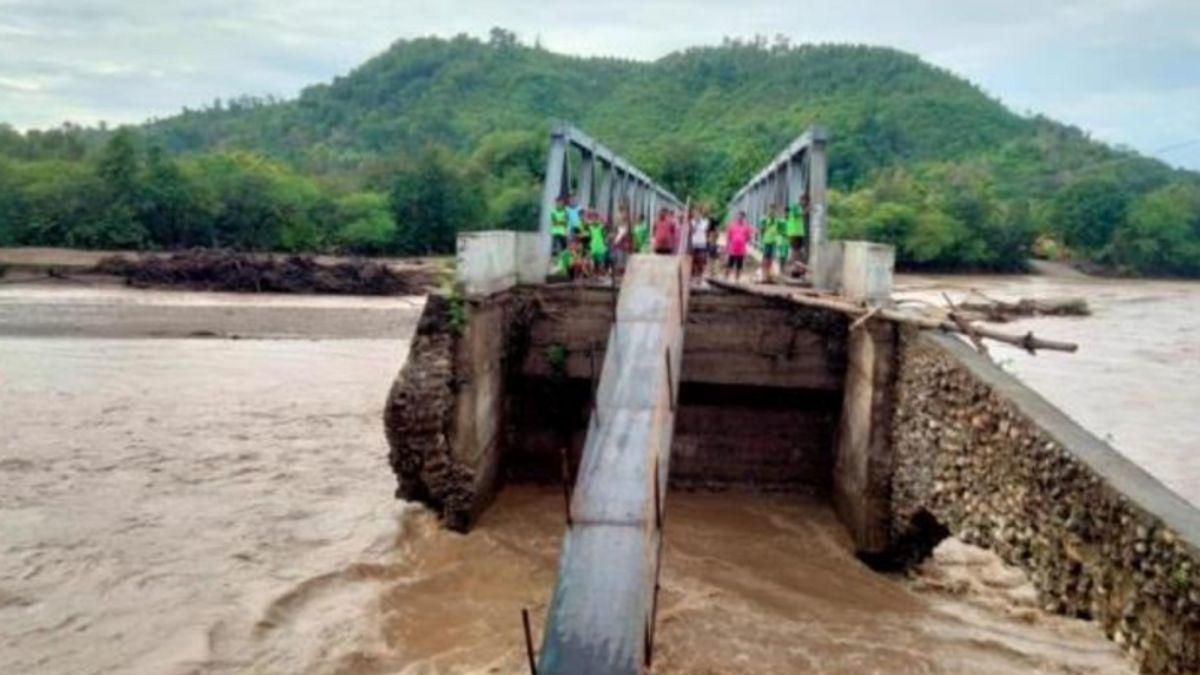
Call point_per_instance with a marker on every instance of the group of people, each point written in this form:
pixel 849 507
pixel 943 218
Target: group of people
pixel 586 244
pixel 781 238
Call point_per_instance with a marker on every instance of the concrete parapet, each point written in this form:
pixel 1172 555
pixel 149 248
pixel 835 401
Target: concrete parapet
pixel 826 266
pixel 497 260
pixel 866 271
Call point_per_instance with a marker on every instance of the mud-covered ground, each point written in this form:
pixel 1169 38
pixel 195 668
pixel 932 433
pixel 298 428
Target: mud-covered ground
pixel 226 271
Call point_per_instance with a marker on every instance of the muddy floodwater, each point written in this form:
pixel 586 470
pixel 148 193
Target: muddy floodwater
pixel 173 500
pixel 1135 380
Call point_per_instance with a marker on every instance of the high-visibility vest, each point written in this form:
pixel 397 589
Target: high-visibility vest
pixel 558 222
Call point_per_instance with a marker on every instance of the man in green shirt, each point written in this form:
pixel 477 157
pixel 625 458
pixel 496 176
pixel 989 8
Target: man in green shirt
pixel 796 231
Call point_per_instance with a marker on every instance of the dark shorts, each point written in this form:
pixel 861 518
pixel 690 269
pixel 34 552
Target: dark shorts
pixel 768 251
pixel 663 250
pixel 735 262
pixel 558 243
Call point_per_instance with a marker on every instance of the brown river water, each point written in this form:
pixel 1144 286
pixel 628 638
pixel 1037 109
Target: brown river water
pixel 175 501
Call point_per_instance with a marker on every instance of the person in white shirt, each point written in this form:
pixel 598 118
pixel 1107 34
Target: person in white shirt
pixel 699 242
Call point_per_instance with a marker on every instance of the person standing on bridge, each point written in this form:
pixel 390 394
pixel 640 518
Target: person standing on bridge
pixel 737 238
pixel 597 243
pixel 665 232
pixel 699 238
pixel 622 241
pixel 641 234
pixel 574 217
pixel 795 229
pixel 770 233
pixel 558 227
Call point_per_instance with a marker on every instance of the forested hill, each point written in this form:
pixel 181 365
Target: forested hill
pixel 718 103
pixel 435 134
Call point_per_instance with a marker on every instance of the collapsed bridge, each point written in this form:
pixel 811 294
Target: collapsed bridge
pixel 621 393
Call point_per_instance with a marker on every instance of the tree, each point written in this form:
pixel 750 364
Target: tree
pixel 680 166
pixel 166 206
pixel 367 223
pixel 114 222
pixel 431 202
pixel 1162 235
pixel 1087 212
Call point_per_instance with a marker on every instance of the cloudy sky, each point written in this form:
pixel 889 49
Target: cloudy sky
pixel 1127 70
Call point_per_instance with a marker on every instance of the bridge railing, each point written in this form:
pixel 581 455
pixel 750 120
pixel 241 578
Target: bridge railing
pixel 605 181
pixel 795 177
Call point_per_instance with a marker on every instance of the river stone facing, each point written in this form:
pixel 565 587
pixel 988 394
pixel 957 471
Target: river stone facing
pixel 999 467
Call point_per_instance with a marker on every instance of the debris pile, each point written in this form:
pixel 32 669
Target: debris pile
pixel 222 270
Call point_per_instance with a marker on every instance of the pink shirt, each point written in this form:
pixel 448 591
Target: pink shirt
pixel 737 237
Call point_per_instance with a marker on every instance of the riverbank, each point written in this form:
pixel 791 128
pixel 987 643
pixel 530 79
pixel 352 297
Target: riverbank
pixel 223 270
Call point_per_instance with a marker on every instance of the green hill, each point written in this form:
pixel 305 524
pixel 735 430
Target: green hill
pixel 722 103
pixel 918 156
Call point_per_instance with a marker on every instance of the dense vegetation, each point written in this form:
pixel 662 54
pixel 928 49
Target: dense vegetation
pixel 438 135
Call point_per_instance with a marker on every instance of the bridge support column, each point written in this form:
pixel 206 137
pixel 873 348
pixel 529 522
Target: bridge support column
pixel 863 457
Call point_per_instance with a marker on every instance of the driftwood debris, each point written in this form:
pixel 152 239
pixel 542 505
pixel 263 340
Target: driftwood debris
pixel 1029 342
pixel 999 311
pixel 222 270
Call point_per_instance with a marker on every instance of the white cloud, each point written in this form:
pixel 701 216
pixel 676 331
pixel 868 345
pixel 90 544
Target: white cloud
pixel 126 60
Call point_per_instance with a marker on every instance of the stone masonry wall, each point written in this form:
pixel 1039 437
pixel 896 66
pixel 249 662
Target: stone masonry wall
pixel 1001 468
pixel 444 413
pixel 419 411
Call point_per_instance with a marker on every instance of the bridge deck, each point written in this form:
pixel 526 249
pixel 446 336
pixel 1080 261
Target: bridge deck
pixel 601 617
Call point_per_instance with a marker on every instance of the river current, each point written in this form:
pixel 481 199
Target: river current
pixel 173 500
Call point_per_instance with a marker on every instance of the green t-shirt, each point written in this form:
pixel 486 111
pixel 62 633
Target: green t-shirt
pixel 795 222
pixel 769 228
pixel 558 222
pixel 562 264
pixel 596 241
pixel 641 237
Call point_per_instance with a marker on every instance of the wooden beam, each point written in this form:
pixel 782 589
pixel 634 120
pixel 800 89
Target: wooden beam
pixel 1028 342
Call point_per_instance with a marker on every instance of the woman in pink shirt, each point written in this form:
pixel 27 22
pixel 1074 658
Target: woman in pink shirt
pixel 737 237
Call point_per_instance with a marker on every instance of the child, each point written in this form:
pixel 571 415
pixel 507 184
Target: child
pixel 768 236
pixel 736 239
pixel 574 217
pixel 664 233
pixel 598 247
pixel 699 238
pixel 641 235
pixel 562 263
pixel 558 227
pixel 577 262
pixel 622 243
